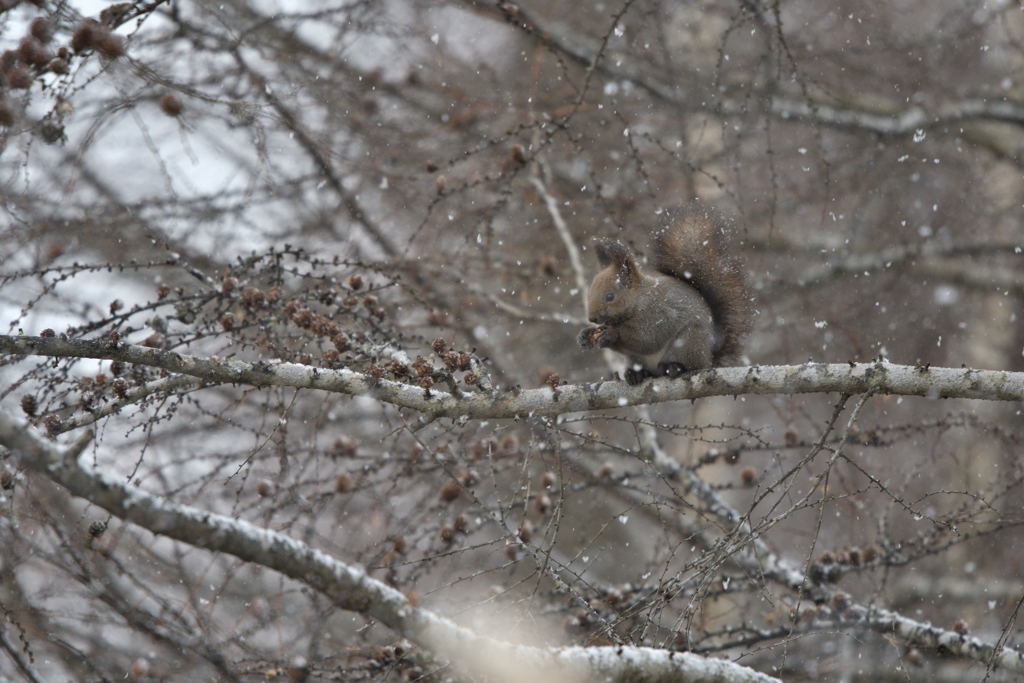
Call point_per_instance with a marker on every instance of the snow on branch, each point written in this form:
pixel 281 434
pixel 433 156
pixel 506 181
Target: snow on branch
pixel 883 621
pixel 749 552
pixel 352 589
pixel 848 378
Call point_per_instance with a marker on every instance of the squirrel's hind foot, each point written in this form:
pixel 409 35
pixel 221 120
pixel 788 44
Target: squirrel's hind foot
pixel 636 375
pixel 673 370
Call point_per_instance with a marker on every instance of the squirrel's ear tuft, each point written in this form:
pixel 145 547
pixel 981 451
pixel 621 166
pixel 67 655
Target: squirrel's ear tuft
pixel 615 253
pixel 611 251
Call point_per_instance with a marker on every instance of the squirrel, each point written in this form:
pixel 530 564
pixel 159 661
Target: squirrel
pixel 688 311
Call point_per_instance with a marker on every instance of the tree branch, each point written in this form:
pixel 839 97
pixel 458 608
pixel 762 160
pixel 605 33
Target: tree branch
pixel 748 550
pixel 848 378
pixel 352 589
pixel 621 65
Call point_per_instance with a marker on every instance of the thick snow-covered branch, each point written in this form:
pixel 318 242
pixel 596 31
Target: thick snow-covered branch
pixel 352 589
pixel 847 378
pixel 928 636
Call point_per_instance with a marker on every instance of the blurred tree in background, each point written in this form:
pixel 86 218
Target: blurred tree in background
pixel 203 202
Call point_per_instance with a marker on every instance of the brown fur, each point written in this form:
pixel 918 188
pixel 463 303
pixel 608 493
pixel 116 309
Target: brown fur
pixel 689 312
pixel 693 248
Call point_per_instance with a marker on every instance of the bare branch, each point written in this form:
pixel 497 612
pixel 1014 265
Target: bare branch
pixel 620 65
pixel 851 378
pixel 352 589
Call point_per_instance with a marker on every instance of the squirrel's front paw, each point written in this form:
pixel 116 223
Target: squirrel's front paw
pixel 590 337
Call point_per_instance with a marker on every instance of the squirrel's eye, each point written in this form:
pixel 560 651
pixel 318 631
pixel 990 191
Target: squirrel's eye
pixel 609 296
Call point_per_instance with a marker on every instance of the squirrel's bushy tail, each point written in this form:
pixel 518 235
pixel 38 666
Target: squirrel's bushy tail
pixel 693 246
